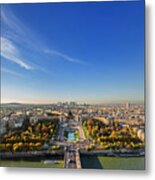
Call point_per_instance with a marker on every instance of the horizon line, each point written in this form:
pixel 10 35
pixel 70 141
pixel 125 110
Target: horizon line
pixel 78 102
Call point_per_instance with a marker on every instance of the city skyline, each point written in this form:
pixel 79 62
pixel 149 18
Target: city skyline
pixel 84 52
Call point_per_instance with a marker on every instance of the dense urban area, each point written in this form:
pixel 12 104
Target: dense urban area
pixel 73 135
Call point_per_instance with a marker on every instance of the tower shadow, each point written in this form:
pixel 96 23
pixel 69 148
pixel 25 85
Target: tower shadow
pixel 90 162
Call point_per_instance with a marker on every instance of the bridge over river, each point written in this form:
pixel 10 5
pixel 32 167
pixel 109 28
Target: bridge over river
pixel 72 157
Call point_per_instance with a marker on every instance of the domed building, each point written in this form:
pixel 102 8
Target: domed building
pixel 70 115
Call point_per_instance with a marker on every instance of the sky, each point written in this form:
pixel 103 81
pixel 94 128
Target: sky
pixel 84 52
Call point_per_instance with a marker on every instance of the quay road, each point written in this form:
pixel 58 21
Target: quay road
pixel 30 154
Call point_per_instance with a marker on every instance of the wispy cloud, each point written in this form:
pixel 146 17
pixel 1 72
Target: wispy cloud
pixel 15 33
pixel 11 72
pixel 64 56
pixel 11 53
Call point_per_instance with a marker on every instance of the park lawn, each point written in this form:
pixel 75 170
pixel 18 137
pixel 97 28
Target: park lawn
pixel 39 164
pixel 102 162
pixel 130 163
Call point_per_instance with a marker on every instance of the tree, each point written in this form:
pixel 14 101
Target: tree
pixel 99 140
pixel 101 130
pixel 26 123
pixel 7 126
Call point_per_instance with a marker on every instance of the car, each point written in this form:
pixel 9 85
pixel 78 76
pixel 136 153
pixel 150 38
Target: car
pixel 72 161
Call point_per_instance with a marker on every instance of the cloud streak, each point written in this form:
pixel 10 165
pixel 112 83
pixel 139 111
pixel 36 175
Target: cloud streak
pixel 11 72
pixel 11 53
pixel 15 33
pixel 14 29
pixel 64 56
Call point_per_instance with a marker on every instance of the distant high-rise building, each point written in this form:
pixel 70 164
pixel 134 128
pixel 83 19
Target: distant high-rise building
pixel 73 103
pixel 127 105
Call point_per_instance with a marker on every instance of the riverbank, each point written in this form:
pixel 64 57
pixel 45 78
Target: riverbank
pixel 29 164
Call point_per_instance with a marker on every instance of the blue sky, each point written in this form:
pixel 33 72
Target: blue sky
pixel 85 52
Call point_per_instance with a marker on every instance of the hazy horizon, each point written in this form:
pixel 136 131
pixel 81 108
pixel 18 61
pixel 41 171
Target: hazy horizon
pixel 116 101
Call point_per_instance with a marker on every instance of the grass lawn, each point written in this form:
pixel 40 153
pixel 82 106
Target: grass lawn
pixel 101 162
pixel 39 164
